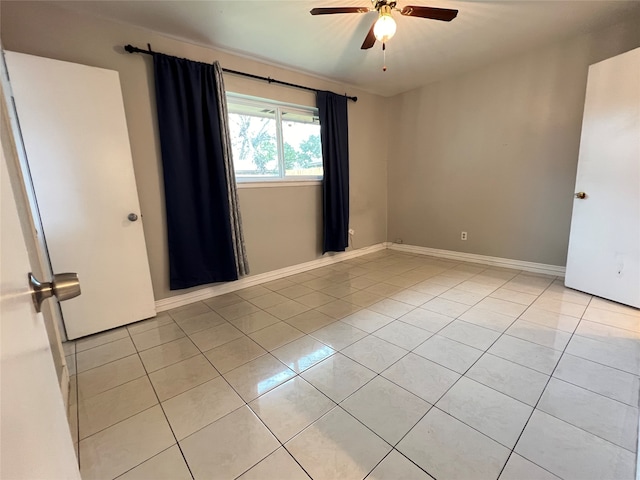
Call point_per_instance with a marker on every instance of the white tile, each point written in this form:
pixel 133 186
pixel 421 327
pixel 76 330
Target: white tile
pixel 488 319
pixel 315 299
pixel 367 320
pixel 310 321
pixel 69 348
pixel 296 291
pixel 449 353
pixel 338 376
pixel 436 443
pixel 233 354
pixel 106 353
pixel 616 356
pixel 338 309
pixel 559 306
pixel 558 291
pixel 384 289
pixel 167 354
pixel 302 353
pixel 250 293
pixel 605 333
pixel 374 353
pixel 258 377
pixel 555 320
pixel 385 408
pixel 469 334
pixel 196 408
pixel 502 306
pixel 167 465
pixel 182 376
pixel 532 284
pixel 100 379
pixel 277 466
pixel 291 407
pixel 395 466
pixel 157 336
pixel 606 418
pixel 532 332
pixel 237 310
pixel 610 306
pixel 422 377
pixel 446 307
pixel 402 334
pixel 433 287
pixel 220 301
pixel 159 320
pixel 338 335
pixel 570 452
pixel 268 300
pixel 525 353
pixel 607 381
pixel 337 446
pixel 216 336
pixel 519 468
pixel 121 447
pixel 412 297
pixel 362 298
pixel 426 320
pixel 119 403
pixel 391 308
pixel 463 296
pixel 200 322
pixel 288 309
pixel 229 446
pixel 507 377
pixel 279 284
pixel 187 311
pixel 101 338
pixel 276 335
pixel 513 296
pixel 254 321
pixel 496 415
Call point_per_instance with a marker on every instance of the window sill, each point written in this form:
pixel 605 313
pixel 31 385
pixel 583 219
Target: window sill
pixel 278 183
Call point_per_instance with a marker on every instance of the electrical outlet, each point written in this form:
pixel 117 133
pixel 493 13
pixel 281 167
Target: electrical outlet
pixel 463 236
pixel 352 231
pixel 398 240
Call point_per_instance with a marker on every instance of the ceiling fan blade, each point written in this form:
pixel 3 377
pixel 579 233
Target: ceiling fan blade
pixel 444 14
pixel 332 10
pixel 370 39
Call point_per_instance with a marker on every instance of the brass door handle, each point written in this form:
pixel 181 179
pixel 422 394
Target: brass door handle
pixel 581 195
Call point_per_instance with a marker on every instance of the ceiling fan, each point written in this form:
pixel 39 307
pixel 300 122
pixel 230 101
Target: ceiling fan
pixel 385 26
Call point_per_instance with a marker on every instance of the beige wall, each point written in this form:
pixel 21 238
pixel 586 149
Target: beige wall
pixel 282 225
pixel 494 152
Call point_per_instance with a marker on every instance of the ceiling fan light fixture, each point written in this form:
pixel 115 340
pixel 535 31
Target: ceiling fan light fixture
pixel 385 27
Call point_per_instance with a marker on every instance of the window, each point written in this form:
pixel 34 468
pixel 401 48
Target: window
pixel 274 141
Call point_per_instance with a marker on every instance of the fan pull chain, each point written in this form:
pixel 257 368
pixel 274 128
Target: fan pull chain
pixel 384 57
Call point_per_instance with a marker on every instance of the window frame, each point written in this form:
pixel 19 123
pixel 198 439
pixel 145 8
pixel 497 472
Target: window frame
pixel 278 107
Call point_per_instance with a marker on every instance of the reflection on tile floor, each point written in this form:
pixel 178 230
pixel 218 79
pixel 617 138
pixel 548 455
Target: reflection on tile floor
pixel 386 366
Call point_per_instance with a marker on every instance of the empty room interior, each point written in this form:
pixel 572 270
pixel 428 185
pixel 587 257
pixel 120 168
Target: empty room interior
pixel 320 239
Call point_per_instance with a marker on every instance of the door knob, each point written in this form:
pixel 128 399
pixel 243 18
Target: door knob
pixel 64 286
pixel 581 195
pixel 132 217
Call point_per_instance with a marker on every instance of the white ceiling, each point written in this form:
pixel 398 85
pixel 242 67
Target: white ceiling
pixel 284 33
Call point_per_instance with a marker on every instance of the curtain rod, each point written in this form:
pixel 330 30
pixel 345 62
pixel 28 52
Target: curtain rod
pixel 132 49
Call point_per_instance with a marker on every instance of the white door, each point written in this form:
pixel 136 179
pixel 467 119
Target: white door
pixel 75 134
pixel 604 246
pixel 35 442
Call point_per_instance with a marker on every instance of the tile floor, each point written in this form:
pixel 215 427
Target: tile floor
pixel 388 366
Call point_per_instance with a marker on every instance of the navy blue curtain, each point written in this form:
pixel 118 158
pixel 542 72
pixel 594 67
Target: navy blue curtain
pixel 200 237
pixel 334 135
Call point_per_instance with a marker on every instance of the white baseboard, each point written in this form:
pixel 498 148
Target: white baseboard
pixel 482 259
pixel 202 294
